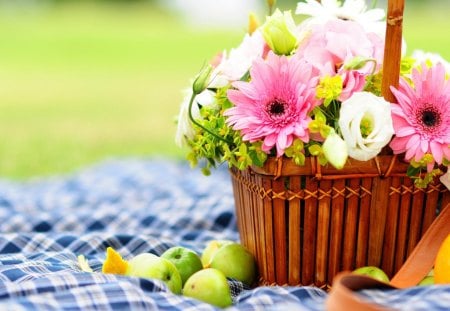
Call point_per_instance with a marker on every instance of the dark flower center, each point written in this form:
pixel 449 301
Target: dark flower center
pixel 276 108
pixel 430 117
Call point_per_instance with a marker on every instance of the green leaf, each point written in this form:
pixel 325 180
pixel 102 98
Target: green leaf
pixel 315 150
pixel 206 171
pixel 413 171
pixel 243 149
pixel 299 159
pixel 314 126
pixel 322 159
pixel 319 116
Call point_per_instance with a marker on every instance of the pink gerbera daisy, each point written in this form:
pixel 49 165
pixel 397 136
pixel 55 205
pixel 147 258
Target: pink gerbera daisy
pixel 274 105
pixel 422 116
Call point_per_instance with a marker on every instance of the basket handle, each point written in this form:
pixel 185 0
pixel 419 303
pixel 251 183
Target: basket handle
pixel 392 48
pixel 343 295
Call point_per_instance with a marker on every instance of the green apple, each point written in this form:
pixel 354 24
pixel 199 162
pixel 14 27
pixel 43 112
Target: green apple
pixel 236 262
pixel 187 261
pixel 209 285
pixel 428 280
pixel 211 248
pixel 148 265
pixel 373 272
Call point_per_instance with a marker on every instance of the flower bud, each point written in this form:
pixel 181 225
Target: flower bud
pixel 201 81
pixel 356 63
pixel 271 3
pixel 359 62
pixel 335 150
pixel 279 32
pixel 253 23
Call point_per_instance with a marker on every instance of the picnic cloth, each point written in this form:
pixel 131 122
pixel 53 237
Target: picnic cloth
pixel 135 206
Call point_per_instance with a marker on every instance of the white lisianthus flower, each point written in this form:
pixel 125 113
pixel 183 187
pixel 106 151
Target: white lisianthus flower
pixel 366 125
pixel 234 65
pixel 184 125
pixel 356 10
pixel 335 150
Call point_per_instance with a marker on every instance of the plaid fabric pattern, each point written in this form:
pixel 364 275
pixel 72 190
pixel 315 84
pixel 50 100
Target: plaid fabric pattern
pixel 135 206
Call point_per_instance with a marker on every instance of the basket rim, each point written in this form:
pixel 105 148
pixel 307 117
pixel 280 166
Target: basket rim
pixel 381 166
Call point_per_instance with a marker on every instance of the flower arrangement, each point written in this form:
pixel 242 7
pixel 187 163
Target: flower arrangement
pixel 314 89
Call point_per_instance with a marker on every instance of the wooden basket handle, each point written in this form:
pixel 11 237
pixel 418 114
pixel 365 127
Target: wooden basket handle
pixel 343 295
pixel 392 48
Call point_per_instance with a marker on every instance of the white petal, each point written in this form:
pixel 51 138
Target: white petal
pixel 445 179
pixel 352 111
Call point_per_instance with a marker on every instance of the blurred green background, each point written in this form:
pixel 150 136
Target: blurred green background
pixel 82 81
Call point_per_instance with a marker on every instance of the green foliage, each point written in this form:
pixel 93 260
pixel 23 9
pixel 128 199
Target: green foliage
pixel 373 83
pixel 216 142
pixel 319 123
pixel 296 152
pixel 316 151
pixel 329 89
pixel 417 170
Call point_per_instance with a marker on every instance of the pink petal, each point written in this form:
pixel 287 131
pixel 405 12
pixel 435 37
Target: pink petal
pixel 398 144
pixel 430 166
pixel 436 150
pixel 419 154
pixel 405 131
pixel 403 100
pixel 410 152
pixel 446 151
pixel 414 140
pixel 424 145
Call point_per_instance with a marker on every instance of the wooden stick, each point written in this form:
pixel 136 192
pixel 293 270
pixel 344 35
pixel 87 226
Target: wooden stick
pixel 351 221
pixel 309 232
pixel 323 232
pixel 389 246
pixel 337 228
pixel 393 48
pixel 403 224
pixel 279 229
pixel 294 236
pixel 269 232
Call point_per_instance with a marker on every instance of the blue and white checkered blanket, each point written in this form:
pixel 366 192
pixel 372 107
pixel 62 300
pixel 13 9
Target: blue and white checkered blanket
pixel 135 206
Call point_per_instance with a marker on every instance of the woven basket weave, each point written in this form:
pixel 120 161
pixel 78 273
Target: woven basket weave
pixel 306 223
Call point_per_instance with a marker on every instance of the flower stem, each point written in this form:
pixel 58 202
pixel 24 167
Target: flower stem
pixel 374 68
pixel 374 4
pixel 191 117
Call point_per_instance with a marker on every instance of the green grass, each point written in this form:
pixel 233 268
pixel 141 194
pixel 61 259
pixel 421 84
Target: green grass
pixel 426 27
pixel 80 83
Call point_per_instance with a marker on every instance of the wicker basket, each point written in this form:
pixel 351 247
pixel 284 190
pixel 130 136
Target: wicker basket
pixel 305 224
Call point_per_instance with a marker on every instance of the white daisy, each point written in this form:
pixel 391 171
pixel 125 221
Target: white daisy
pixel 238 61
pixel 356 10
pixel 433 58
